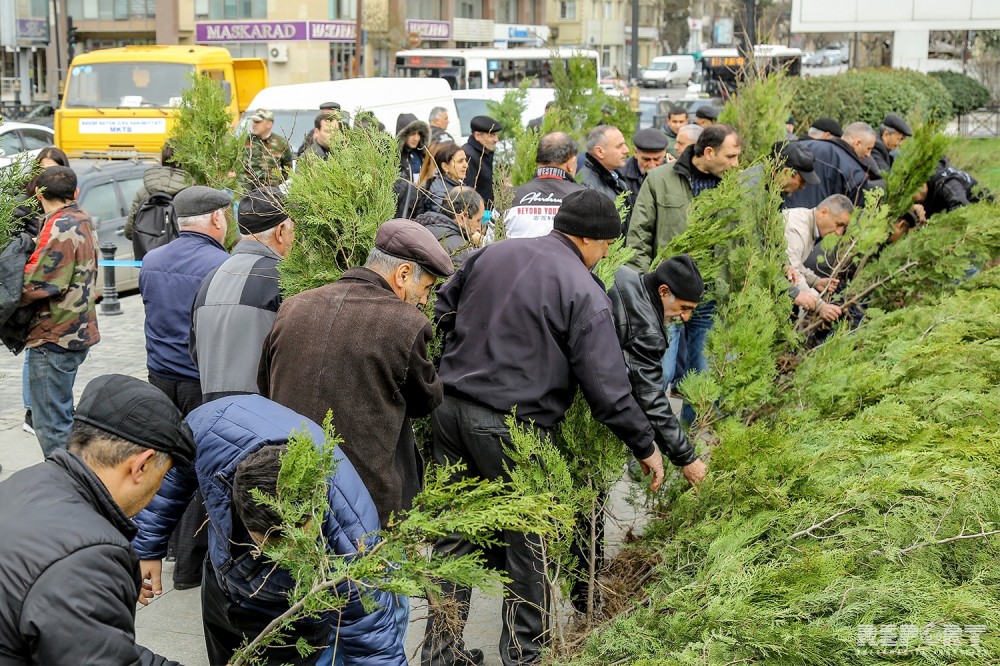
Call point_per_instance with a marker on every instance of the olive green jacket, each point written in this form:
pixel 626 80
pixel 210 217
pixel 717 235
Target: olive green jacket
pixel 659 215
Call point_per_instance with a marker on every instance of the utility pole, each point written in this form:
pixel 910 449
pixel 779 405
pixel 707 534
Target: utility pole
pixel 57 41
pixel 634 70
pixel 750 27
pixel 356 65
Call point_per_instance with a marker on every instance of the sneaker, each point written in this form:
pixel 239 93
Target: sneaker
pixel 27 427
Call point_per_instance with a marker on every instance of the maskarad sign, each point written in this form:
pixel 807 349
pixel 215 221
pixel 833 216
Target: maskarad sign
pixel 275 31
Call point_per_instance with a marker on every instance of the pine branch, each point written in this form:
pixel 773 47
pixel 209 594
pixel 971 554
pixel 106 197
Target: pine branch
pixel 808 530
pixel 817 321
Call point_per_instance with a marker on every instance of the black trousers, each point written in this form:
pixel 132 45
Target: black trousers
pixel 475 435
pixel 189 542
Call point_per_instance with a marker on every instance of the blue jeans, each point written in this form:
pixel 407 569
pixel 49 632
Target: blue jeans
pixel 51 378
pixel 25 382
pixel 695 331
pixel 670 358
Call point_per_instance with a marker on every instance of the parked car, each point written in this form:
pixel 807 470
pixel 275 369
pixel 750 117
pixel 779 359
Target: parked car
pixel 43 114
pixel 107 189
pixel 22 141
pixel 666 71
pixel 647 112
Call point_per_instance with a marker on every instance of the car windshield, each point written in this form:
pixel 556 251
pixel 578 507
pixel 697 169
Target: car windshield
pixel 128 85
pixel 660 66
pixel 469 109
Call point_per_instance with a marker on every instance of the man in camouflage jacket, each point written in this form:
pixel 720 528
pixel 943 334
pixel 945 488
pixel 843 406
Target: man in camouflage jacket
pixel 61 279
pixel 268 159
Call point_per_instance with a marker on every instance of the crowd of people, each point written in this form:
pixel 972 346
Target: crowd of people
pixel 234 368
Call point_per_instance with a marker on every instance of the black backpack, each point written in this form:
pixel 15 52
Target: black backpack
pixel 155 224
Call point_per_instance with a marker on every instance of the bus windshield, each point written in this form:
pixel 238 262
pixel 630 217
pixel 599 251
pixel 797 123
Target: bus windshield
pixel 128 85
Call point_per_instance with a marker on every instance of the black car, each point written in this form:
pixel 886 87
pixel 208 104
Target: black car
pixel 107 189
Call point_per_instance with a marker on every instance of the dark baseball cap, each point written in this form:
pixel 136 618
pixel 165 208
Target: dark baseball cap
pixel 794 155
pixel 138 412
pixel 405 239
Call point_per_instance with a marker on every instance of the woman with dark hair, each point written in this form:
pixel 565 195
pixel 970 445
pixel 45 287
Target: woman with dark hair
pixel 168 178
pixel 29 214
pixel 445 171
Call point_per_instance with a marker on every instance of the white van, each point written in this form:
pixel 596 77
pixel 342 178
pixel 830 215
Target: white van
pixel 668 70
pixel 471 103
pixel 295 106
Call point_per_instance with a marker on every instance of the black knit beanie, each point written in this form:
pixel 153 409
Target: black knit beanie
pixel 682 276
pixel 588 214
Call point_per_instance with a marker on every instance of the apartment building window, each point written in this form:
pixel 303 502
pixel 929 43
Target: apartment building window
pixel 429 10
pixel 343 9
pixel 567 10
pixel 237 9
pixel 507 11
pixel 118 10
pixel 471 9
pixel 609 10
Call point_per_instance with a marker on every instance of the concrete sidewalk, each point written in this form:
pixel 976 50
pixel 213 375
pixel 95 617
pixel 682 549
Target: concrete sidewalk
pixel 171 624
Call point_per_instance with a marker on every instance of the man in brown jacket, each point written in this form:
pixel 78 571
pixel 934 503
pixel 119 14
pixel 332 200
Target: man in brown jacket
pixel 359 347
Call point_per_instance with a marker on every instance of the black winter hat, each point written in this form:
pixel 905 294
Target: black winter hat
pixel 588 214
pixel 828 125
pixel 682 276
pixel 138 412
pixel 261 210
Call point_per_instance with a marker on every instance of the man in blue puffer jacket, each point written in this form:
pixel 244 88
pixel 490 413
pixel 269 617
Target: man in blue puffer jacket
pixel 242 594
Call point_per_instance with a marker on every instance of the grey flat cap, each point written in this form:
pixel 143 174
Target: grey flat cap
pixel 707 112
pixel 650 140
pixel 200 200
pixel 405 239
pixel 894 122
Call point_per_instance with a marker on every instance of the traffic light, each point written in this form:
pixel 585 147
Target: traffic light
pixel 70 37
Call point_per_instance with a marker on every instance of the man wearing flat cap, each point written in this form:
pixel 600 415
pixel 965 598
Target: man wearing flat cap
pixel 650 152
pixel 824 128
pixel 479 149
pixel 796 166
pixel 706 115
pixel 892 133
pixel 359 347
pixel 267 159
pixel 69 579
pixel 329 119
pixel 168 282
pixel 643 304
pixel 237 302
pixel 525 325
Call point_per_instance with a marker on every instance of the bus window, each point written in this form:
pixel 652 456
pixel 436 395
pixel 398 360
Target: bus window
pixel 475 80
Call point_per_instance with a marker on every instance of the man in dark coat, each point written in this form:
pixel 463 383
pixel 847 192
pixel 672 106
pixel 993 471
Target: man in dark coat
pixel 525 325
pixel 893 132
pixel 842 167
pixel 359 347
pixel 650 152
pixel 642 305
pixel 607 152
pixel 479 150
pixel 459 225
pixel 69 580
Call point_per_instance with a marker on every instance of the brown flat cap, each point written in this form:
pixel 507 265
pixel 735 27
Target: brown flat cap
pixel 405 239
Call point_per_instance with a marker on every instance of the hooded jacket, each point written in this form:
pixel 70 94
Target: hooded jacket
pixel 447 231
pixel 227 431
pixel 840 171
pixel 536 203
pixel 156 180
pixel 641 332
pixel 433 200
pixel 480 173
pixel 69 579
pixel 410 162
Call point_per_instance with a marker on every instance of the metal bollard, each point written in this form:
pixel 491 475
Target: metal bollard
pixel 110 305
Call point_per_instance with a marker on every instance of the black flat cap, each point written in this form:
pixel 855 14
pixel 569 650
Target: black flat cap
pixel 329 106
pixel 796 156
pixel 707 112
pixel 894 122
pixel 651 140
pixel 682 276
pixel 828 125
pixel 405 239
pixel 588 214
pixel 138 412
pixel 485 124
pixel 199 200
pixel 261 210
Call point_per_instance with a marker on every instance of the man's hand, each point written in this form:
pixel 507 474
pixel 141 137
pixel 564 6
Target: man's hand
pixel 806 300
pixel 829 284
pixel 920 213
pixel 830 312
pixel 791 273
pixel 654 464
pixel 695 472
pixel 151 571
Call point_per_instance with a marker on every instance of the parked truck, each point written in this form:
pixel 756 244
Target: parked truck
pixel 122 102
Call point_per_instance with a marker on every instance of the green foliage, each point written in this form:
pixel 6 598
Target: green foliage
pixel 978 157
pixel 942 252
pixel 825 528
pixel 967 94
pixel 867 96
pixel 338 205
pixel 581 104
pixel 913 166
pixel 509 111
pixel 203 139
pixel 12 181
pixel 759 112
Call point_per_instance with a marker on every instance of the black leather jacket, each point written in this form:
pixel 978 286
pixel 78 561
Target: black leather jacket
pixel 641 333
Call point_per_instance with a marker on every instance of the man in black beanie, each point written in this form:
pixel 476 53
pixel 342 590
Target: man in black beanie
pixel 525 324
pixel 238 301
pixel 642 305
